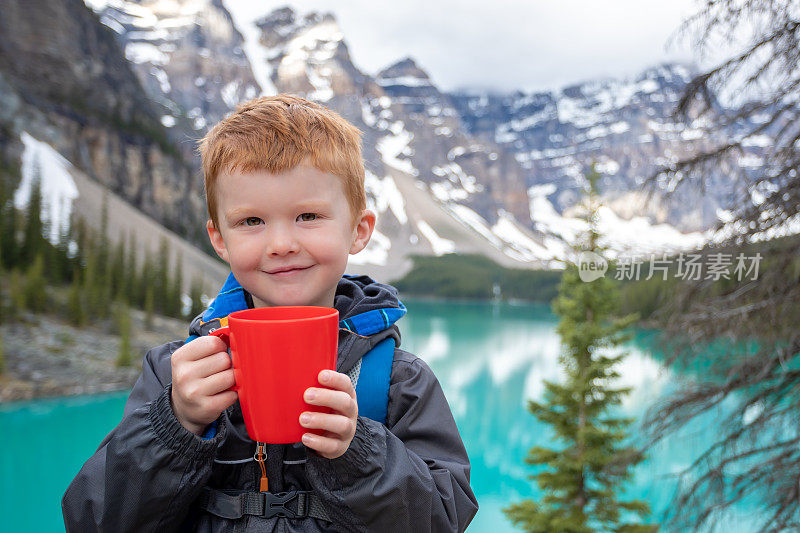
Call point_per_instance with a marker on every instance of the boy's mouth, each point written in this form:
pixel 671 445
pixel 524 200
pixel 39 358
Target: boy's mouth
pixel 287 271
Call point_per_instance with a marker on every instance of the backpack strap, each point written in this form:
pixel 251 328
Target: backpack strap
pixel 372 389
pixel 235 504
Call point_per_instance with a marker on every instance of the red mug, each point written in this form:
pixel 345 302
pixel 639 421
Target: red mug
pixel 277 353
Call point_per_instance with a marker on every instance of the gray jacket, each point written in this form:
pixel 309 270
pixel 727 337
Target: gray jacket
pixel 411 474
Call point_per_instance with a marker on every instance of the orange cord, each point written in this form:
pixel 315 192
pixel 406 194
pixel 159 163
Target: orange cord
pixel 260 455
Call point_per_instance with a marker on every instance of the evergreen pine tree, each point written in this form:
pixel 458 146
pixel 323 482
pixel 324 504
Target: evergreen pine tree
pixel 104 262
pixel 35 291
pixel 4 211
pixel 17 296
pixel 145 279
pixel 75 303
pixel 63 263
pixel 8 228
pixel 124 327
pixel 33 240
pixel 8 224
pixel 2 283
pixel 79 234
pixel 162 277
pixel 104 223
pixel 581 481
pixel 118 280
pixel 91 281
pixel 49 253
pixel 132 279
pixel 149 306
pixel 176 289
pixel 196 295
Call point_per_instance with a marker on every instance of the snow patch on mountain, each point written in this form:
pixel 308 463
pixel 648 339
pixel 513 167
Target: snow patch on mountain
pixel 474 221
pixel 392 146
pixel 141 52
pixel 519 245
pixel 318 42
pixel 162 78
pixel 367 115
pixel 228 93
pixel 549 112
pixel 440 246
pixel 456 175
pixel 40 161
pixel 386 196
pixel 406 81
pixel 97 5
pixel 603 130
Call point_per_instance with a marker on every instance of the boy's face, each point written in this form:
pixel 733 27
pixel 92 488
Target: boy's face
pixel 299 218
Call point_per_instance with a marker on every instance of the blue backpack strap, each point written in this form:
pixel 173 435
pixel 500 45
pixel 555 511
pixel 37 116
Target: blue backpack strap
pixel 372 389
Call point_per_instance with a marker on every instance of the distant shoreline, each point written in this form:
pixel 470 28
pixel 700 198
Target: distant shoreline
pixel 466 299
pixel 89 396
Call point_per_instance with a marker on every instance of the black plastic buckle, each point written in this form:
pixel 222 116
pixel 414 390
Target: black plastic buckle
pixel 275 504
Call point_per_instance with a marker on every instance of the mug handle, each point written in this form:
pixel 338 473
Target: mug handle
pixel 224 333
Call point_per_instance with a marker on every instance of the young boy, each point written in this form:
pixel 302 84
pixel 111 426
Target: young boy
pixel 284 185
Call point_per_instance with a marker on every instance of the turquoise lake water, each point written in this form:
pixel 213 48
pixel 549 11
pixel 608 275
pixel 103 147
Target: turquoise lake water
pixel 489 357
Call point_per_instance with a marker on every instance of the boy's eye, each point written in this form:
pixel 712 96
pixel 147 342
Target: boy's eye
pixel 309 220
pixel 252 221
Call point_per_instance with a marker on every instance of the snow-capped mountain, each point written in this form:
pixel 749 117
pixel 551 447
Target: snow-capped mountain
pixel 497 174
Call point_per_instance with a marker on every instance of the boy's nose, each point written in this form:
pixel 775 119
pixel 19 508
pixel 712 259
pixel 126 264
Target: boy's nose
pixel 282 241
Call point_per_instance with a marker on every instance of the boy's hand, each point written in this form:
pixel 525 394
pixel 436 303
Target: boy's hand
pixel 201 377
pixel 340 425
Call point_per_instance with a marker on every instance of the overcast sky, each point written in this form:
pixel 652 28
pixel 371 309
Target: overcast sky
pixel 504 44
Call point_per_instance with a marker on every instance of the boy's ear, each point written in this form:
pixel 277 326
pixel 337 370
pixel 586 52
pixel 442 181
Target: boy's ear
pixel 363 231
pixel 217 241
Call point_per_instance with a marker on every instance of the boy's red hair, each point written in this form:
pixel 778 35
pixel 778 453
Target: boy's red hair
pixel 275 134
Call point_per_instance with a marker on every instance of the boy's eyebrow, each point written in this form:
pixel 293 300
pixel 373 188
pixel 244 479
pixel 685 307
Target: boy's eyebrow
pixel 237 212
pixel 314 204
